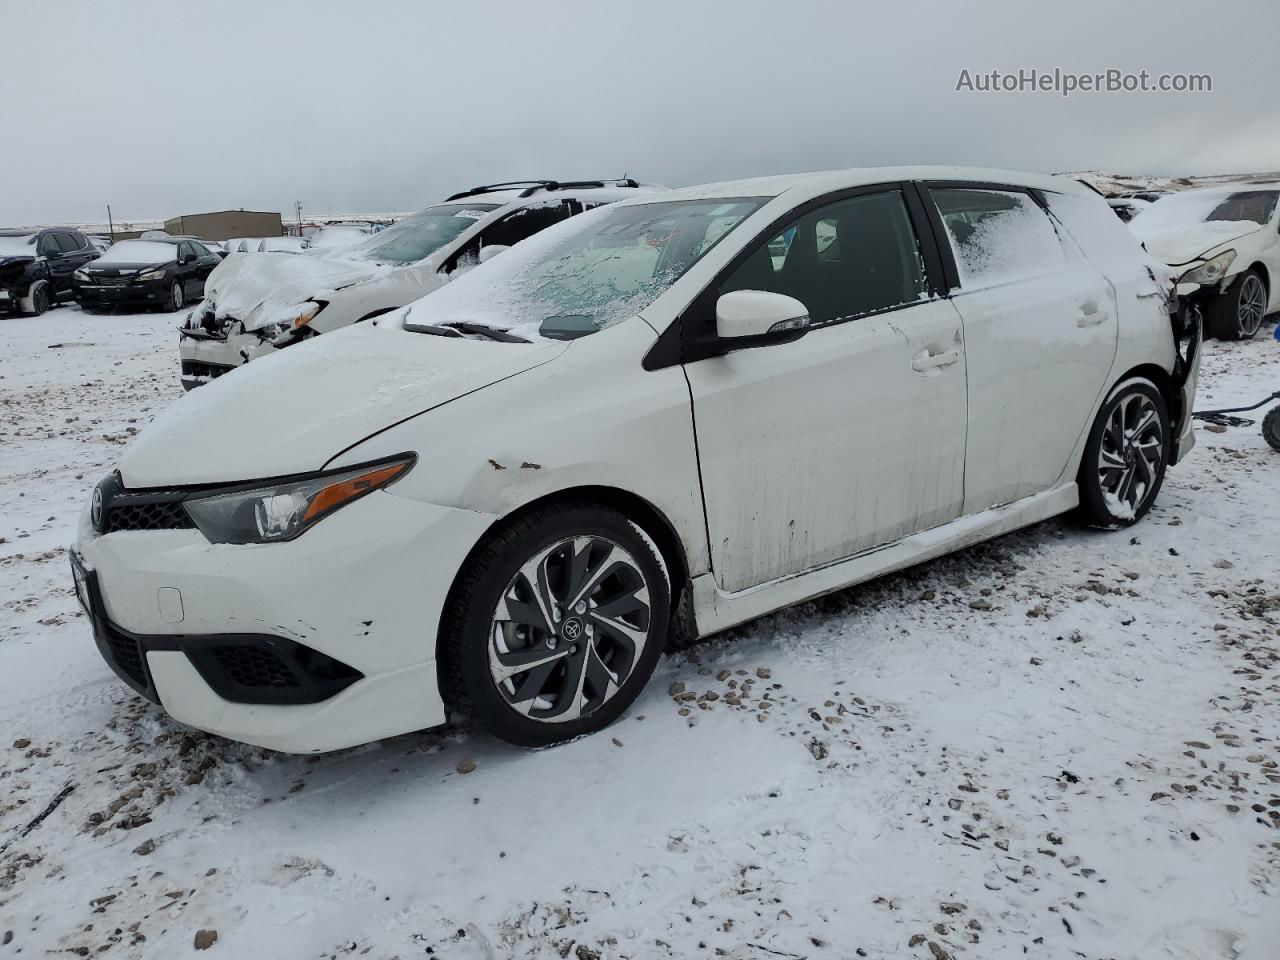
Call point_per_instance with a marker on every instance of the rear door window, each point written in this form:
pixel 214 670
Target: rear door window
pixel 997 235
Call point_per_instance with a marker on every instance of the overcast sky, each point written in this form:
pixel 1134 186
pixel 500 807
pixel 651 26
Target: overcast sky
pixel 167 108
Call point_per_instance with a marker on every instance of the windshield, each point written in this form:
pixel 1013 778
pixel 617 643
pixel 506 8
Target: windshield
pixel 283 245
pixel 417 237
pixel 138 251
pixel 1206 206
pixel 18 246
pixel 586 273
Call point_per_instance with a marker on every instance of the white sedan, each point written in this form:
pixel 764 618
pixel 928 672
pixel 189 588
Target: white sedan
pixel 649 423
pixel 1224 242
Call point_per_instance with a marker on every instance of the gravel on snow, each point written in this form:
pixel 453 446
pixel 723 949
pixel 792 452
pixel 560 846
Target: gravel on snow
pixel 1061 743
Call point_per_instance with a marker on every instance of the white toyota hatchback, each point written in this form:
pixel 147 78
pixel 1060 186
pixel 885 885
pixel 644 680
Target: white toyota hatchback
pixel 647 424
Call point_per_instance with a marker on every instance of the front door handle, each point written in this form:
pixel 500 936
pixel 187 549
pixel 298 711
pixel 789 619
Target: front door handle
pixel 925 361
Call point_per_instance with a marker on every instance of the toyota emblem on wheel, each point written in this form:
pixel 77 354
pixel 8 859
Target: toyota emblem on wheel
pixel 572 628
pixel 95 510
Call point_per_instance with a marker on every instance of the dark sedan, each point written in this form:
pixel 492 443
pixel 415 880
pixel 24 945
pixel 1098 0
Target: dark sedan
pixel 163 273
pixel 36 267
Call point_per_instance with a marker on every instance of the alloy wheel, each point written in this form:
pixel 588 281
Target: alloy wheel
pixel 175 296
pixel 1252 305
pixel 569 629
pixel 1132 451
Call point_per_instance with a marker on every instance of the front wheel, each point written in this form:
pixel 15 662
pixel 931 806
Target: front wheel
pixel 1237 314
pixel 176 297
pixel 1125 457
pixel 555 625
pixel 40 299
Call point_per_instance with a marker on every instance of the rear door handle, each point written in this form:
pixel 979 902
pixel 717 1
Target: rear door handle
pixel 924 361
pixel 1091 315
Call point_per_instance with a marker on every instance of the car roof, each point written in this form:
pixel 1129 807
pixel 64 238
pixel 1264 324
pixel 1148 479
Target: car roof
pixel 826 181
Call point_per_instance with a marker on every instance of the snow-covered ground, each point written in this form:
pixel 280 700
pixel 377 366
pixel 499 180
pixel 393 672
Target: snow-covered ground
pixel 1058 744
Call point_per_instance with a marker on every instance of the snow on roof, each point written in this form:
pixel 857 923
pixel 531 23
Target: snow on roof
pixel 820 182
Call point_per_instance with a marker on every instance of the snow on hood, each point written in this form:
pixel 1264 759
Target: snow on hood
pixel 268 287
pixel 293 411
pixel 1178 245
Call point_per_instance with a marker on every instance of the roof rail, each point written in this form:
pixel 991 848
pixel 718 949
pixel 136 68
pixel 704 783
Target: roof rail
pixel 529 187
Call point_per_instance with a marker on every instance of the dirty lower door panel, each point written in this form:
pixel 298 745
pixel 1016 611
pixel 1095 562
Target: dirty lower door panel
pixel 850 437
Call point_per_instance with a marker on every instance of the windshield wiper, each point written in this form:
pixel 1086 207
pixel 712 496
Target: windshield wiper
pixel 462 328
pixel 480 330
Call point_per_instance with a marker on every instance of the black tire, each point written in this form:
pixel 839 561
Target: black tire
pixel 1100 507
pixel 1271 428
pixel 177 299
pixel 40 300
pixel 1227 316
pixel 470 624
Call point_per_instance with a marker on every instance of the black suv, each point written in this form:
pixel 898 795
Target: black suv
pixel 163 272
pixel 36 267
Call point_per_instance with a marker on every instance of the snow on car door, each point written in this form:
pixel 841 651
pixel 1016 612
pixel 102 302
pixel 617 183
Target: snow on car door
pixel 1040 334
pixel 851 436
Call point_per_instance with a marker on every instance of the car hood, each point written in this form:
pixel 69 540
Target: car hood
pixel 293 411
pixel 14 261
pixel 265 288
pixel 1179 245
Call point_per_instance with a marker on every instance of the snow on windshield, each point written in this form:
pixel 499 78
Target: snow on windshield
pixel 330 238
pixel 417 237
pixel 18 246
pixel 586 273
pixel 997 235
pixel 1228 207
pixel 138 251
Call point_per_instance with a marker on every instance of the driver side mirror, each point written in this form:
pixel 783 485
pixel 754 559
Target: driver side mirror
pixel 491 251
pixel 756 313
pixel 187 258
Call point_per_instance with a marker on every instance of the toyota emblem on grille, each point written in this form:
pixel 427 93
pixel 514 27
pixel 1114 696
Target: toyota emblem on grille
pixel 95 509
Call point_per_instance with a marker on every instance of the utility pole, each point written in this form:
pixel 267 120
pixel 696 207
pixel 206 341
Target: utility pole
pixel 111 226
pixel 297 210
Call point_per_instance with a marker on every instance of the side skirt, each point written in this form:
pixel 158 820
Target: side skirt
pixel 716 610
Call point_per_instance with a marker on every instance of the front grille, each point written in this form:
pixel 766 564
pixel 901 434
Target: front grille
pixel 127 655
pixel 102 281
pixel 256 667
pixel 163 515
pixel 199 368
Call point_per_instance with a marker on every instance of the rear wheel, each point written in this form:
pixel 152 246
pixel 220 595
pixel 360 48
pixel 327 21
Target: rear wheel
pixel 1125 457
pixel 555 625
pixel 1237 314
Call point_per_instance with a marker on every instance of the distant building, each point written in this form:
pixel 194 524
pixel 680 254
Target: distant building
pixel 226 224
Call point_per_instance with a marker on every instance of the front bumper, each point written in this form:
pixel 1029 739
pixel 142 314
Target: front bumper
pixel 207 358
pixel 349 611
pixel 138 293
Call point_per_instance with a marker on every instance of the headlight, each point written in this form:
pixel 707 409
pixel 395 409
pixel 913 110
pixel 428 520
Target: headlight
pixel 152 275
pixel 284 510
pixel 306 314
pixel 80 275
pixel 1210 271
